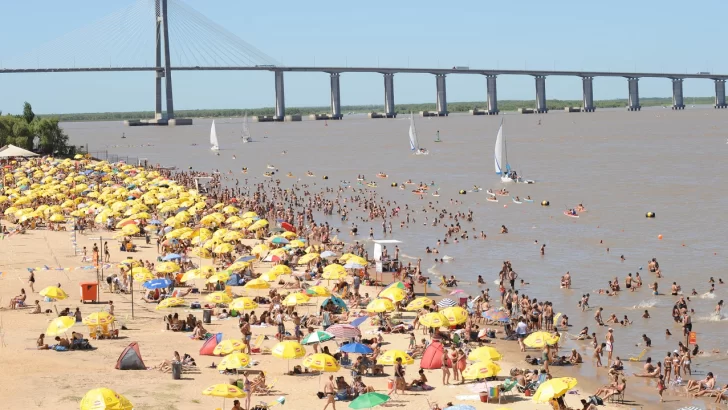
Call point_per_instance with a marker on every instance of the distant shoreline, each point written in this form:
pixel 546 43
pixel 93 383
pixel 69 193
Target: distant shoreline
pixel 503 106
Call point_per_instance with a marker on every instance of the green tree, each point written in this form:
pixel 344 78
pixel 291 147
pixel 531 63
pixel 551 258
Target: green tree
pixel 51 137
pixel 23 135
pixel 28 112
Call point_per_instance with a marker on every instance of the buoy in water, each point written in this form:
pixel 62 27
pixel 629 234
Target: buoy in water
pixel 393 184
pixel 659 237
pixel 326 177
pixel 650 215
pixel 505 205
pixel 463 192
pixel 545 203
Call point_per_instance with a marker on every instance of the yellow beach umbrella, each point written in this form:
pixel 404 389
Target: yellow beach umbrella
pixel 434 320
pixel 220 233
pixel 259 249
pixel 419 303
pixel 318 291
pixel 191 275
pixel 288 349
pixel 238 266
pixel 390 357
pixel 333 275
pixel 294 299
pixel 269 276
pixel 540 339
pixel 484 353
pixel 455 315
pixel 345 257
pixel 258 225
pixel 244 303
pixel 218 277
pixel 60 325
pixel 232 236
pixel 296 244
pixel 554 388
pixel 218 297
pixel 54 292
pixel 481 370
pixel 257 284
pixel 309 257
pixel 228 346
pixel 57 218
pixel 321 362
pixel 130 230
pixel 230 209
pixel 104 399
pixel 335 267
pixel 98 319
pixel 223 248
pixel 380 305
pixel 394 293
pixel 249 214
pixel 281 270
pixel 357 260
pixel 233 361
pixel 289 235
pixel 167 267
pixel 170 302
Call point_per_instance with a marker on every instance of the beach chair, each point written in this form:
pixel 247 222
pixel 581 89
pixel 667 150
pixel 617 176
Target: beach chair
pixel 443 283
pixel 494 393
pixel 618 397
pixel 507 387
pixel 638 357
pixel 268 388
pixel 258 347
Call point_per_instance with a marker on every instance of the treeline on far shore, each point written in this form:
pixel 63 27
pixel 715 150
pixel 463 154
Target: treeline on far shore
pixel 504 105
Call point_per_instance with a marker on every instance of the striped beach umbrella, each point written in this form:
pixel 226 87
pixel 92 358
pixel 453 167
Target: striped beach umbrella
pixel 344 331
pixel 447 302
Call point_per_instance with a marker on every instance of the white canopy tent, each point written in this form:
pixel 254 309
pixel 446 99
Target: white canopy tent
pixel 10 150
pixel 378 250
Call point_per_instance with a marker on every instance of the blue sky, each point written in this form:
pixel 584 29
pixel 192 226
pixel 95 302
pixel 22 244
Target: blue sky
pixel 646 35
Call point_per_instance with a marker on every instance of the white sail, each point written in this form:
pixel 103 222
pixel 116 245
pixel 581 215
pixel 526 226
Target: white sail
pixel 213 138
pixel 501 157
pixel 414 144
pixel 246 129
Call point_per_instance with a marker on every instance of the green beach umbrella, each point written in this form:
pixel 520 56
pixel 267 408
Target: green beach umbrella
pixel 368 400
pixel 317 337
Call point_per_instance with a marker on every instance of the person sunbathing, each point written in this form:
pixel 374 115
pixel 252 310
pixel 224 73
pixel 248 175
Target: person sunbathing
pixel 699 385
pixel 40 343
pixel 36 308
pixel 575 357
pixel 199 332
pixel 420 381
pixel 711 392
pixel 611 391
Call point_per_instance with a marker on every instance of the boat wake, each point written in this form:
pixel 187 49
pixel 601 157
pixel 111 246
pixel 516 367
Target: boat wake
pixel 707 295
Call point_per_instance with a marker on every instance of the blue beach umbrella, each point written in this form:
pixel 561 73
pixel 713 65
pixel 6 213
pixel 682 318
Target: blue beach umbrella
pixel 172 256
pixel 356 348
pixel 336 301
pixel 279 241
pixel 245 258
pixel 157 283
pixel 155 222
pixel 358 321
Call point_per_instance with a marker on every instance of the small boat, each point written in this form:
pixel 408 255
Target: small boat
pixel 527 200
pixel 214 145
pixel 419 191
pixel 476 189
pixel 491 199
pixel 490 192
pixel 502 167
pixel 270 167
pixel 414 143
pixel 435 194
pixel 502 193
pixel 268 175
pixel 382 175
pixel 310 174
pixel 246 130
pixel 569 214
pixel 409 182
pixel 360 179
pixel 290 175
pixel 515 201
pixel 372 185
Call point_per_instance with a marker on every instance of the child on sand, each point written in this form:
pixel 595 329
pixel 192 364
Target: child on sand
pixel 661 387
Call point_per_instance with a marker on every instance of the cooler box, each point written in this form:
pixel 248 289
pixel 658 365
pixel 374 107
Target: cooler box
pixel 89 291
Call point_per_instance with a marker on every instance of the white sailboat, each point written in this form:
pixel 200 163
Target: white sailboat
pixel 246 130
pixel 214 145
pixel 502 167
pixel 414 142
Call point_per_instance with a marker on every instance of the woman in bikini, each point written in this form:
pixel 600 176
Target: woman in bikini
pixel 330 392
pixel 445 368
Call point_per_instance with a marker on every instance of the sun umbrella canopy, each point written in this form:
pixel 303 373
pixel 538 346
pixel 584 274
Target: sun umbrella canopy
pixel 218 297
pixel 232 361
pixel 481 370
pixel 540 339
pixel 98 319
pixel 321 362
pixel 170 302
pixel 228 346
pixel 484 353
pixel 333 275
pixel 344 331
pixel 157 283
pixel 394 293
pixel 435 320
pixel 167 267
pixel 294 299
pixel 244 303
pixel 226 391
pixel 288 349
pixel 455 315
pixel 281 270
pixel 171 257
pixel 318 336
pixel 447 302
pixel 318 291
pixel 60 325
pixel 104 399
pixel 554 388
pixel 368 400
pixel 54 292
pixel 390 357
pixel 356 348
pixel 257 284
pixel 380 305
pixel 419 303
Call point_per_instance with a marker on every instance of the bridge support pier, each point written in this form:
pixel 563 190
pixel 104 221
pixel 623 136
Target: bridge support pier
pixel 158 115
pixel 280 113
pixel 441 95
pixel 633 103
pixel 720 94
pixel 492 95
pixel 541 94
pixel 677 94
pixel 335 97
pixel 389 111
pixel 587 85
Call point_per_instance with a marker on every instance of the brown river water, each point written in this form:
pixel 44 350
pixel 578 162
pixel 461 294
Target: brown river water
pixel 619 164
